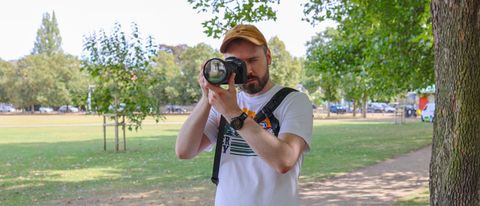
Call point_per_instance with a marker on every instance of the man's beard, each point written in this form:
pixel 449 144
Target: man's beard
pixel 254 88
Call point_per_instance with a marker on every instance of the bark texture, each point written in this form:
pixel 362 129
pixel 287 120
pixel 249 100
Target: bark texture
pixel 455 163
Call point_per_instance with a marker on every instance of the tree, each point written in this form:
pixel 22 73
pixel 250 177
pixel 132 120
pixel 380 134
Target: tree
pixel 68 77
pixel 285 69
pixel 190 62
pixel 120 67
pixel 40 79
pixel 337 61
pixel 6 68
pixel 455 164
pixel 321 74
pixel 177 69
pixel 396 36
pixel 48 39
pixel 167 72
pixel 27 82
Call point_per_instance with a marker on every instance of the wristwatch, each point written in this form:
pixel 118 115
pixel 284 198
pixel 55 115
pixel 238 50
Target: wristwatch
pixel 237 122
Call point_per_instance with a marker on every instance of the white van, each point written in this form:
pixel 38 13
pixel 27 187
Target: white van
pixel 428 112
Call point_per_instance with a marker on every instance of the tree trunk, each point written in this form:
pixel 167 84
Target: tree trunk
pixel 328 108
pixel 354 108
pixel 455 163
pixel 364 105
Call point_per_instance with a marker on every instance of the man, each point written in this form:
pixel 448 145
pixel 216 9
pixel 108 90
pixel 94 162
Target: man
pixel 256 168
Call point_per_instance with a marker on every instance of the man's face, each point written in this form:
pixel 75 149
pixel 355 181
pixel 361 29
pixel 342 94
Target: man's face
pixel 257 61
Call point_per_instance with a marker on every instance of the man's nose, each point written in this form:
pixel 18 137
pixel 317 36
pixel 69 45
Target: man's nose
pixel 249 70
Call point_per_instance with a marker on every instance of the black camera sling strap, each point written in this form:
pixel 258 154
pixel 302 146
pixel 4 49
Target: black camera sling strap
pixel 218 150
pixel 265 112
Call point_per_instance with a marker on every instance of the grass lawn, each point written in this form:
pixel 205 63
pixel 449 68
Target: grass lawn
pixel 44 159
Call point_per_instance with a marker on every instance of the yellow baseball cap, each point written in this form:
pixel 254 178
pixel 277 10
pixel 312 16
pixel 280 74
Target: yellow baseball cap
pixel 243 31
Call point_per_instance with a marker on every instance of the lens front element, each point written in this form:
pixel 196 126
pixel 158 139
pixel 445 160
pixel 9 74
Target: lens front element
pixel 215 71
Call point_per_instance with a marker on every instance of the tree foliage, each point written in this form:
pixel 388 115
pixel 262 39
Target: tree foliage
pixel 51 80
pixel 190 62
pixel 227 13
pixel 6 68
pixel 381 49
pixel 394 38
pixel 166 70
pixel 321 70
pixel 178 68
pixel 48 39
pixel 120 68
pixel 285 69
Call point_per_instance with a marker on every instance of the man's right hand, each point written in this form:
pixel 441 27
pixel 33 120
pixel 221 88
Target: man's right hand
pixel 203 83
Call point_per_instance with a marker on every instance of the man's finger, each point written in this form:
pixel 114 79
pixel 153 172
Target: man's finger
pixel 231 82
pixel 214 88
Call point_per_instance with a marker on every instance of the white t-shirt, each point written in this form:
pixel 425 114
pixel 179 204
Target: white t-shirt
pixel 244 177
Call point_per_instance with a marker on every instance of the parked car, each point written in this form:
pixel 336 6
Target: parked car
pixel 374 107
pixel 388 108
pixel 175 109
pixel 339 109
pixel 68 108
pixel 7 108
pixel 45 109
pixel 428 113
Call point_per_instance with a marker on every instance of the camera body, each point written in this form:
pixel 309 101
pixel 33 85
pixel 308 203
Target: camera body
pixel 218 71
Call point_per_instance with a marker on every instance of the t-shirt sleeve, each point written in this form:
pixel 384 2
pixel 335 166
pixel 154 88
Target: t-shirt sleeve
pixel 211 128
pixel 296 116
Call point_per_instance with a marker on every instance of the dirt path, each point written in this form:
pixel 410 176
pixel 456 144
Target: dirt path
pixel 380 184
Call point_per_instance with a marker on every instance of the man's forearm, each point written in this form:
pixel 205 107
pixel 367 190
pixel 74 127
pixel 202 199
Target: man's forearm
pixel 190 135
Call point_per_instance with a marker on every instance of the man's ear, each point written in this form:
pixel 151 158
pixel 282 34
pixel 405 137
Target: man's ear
pixel 269 56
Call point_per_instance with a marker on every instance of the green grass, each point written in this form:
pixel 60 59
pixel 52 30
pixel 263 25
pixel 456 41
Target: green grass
pixel 40 164
pixel 420 199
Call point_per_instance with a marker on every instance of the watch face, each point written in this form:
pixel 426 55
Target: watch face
pixel 237 124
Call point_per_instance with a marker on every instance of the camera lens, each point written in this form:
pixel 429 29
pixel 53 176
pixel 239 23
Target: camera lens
pixel 215 71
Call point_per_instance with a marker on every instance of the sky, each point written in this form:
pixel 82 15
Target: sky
pixel 170 22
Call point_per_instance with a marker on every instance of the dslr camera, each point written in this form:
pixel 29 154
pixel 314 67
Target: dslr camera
pixel 218 71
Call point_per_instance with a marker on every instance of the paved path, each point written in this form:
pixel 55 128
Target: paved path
pixel 380 184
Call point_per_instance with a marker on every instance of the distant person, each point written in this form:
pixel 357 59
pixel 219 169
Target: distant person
pixel 256 167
